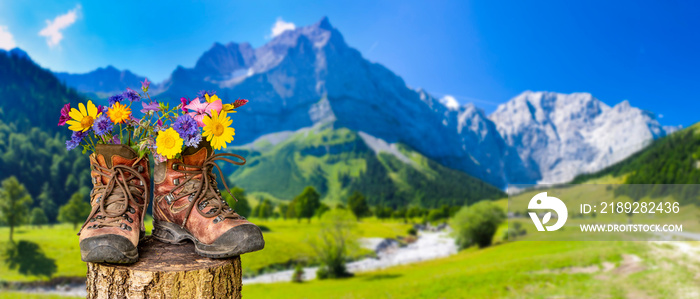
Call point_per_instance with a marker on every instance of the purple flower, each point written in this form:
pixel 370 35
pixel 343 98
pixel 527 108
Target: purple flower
pixel 201 93
pixel 115 140
pixel 117 98
pixel 153 106
pixel 101 109
pixel 131 95
pixel 64 115
pixel 75 139
pixel 188 129
pixel 145 84
pixel 103 125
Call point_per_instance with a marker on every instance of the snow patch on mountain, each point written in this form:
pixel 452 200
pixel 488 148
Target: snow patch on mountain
pixel 450 102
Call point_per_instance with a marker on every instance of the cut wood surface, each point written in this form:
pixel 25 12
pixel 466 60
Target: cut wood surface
pixel 166 271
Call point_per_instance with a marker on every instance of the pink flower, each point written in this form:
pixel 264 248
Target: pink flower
pixel 115 140
pixel 184 102
pixel 64 115
pixel 200 109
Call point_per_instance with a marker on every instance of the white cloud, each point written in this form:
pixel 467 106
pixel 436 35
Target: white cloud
pixel 661 116
pixel 450 102
pixel 7 41
pixel 282 26
pixel 53 29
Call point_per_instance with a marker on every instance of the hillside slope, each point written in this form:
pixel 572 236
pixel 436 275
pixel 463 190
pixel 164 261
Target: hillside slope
pixel 339 161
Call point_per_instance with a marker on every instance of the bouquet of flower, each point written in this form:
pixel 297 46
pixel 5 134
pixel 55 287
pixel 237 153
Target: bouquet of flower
pixel 162 131
pixel 119 167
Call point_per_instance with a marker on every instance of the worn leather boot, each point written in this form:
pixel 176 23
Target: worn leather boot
pixel 119 199
pixel 188 205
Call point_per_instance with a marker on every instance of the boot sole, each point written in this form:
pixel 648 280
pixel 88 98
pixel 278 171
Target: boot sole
pixel 238 240
pixel 114 249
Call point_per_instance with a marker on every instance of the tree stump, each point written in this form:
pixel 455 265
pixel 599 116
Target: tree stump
pixel 166 271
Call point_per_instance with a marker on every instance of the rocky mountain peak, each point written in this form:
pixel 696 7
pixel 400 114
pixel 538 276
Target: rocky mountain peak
pixel 567 134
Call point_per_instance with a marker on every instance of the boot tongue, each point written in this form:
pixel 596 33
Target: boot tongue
pixel 196 155
pixel 109 151
pixel 115 202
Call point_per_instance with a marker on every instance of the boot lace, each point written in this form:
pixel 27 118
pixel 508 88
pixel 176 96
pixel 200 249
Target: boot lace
pixel 206 194
pixel 119 192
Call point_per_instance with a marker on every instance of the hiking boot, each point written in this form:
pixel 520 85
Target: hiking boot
pixel 188 205
pixel 119 199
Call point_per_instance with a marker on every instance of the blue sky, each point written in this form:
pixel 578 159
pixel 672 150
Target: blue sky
pixel 484 52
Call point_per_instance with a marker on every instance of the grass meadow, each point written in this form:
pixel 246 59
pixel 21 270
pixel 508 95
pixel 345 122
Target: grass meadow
pixel 517 269
pixel 286 241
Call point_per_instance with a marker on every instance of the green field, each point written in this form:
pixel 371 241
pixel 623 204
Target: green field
pixel 518 270
pixel 286 241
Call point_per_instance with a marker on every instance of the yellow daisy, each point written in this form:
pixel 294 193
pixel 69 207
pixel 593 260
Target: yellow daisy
pixel 211 98
pixel 217 130
pixel 228 108
pixel 168 143
pixel 119 113
pixel 82 119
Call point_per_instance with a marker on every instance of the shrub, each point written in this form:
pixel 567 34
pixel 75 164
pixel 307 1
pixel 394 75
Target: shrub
pixel 477 224
pixel 336 240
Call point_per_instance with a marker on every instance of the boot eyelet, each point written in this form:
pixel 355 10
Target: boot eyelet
pixel 132 210
pixel 174 166
pixel 176 182
pixel 190 198
pixel 125 227
pixel 139 168
pixel 169 198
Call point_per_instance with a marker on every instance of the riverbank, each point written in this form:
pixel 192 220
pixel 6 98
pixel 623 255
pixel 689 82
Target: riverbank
pixel 428 246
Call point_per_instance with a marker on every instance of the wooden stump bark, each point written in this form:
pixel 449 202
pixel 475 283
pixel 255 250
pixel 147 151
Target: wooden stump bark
pixel 166 271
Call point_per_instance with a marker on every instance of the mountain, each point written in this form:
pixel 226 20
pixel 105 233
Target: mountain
pixel 102 81
pixel 563 135
pixel 310 76
pixel 674 159
pixel 32 96
pixel 338 161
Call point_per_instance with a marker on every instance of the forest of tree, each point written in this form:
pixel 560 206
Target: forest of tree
pixel 448 187
pixel 32 146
